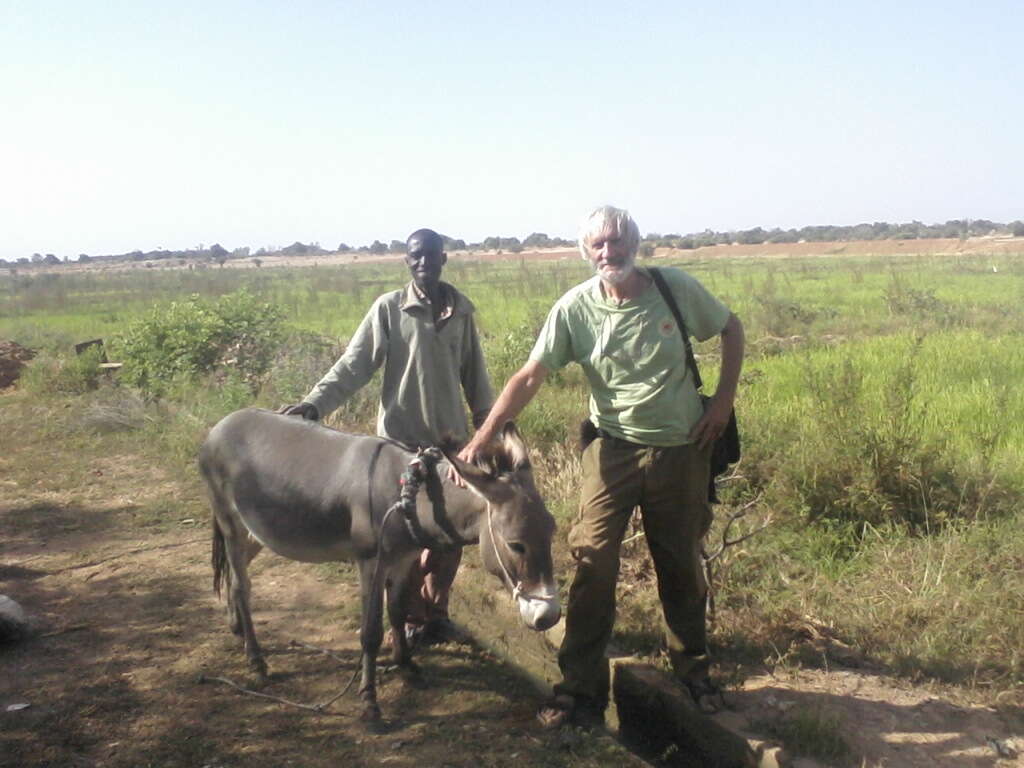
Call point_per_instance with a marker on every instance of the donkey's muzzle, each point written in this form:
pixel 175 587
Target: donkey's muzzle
pixel 540 613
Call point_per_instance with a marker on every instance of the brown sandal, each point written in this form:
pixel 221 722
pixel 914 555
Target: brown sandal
pixel 564 709
pixel 556 712
pixel 706 695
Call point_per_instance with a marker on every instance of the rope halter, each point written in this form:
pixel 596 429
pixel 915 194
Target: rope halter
pixel 515 586
pixel 412 478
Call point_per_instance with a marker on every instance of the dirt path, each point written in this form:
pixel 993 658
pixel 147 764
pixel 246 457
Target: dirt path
pixel 109 554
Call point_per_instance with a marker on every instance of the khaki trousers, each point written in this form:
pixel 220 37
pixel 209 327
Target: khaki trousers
pixel 670 487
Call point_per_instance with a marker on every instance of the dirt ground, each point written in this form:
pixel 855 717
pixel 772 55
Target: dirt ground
pixel 110 557
pixel 108 552
pixel 885 722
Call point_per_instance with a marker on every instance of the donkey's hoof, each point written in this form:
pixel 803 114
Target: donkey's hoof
pixel 412 676
pixel 371 717
pixel 259 668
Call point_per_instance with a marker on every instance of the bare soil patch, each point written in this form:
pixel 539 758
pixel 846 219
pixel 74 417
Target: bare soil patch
pixel 971 246
pixel 110 560
pixel 884 721
pixel 13 358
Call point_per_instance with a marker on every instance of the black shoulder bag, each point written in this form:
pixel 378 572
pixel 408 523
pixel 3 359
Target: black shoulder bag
pixel 726 449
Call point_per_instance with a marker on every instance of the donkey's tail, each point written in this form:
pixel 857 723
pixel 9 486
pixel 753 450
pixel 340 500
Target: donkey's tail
pixel 219 560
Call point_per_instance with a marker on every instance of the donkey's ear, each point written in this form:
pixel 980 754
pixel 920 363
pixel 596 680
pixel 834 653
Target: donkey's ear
pixel 478 480
pixel 514 447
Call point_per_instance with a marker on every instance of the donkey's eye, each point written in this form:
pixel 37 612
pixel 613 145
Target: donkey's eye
pixel 516 547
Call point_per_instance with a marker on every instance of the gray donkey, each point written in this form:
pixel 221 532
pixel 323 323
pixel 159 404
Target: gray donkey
pixel 313 494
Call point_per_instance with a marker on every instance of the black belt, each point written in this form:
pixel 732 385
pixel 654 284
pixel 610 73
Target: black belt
pixel 606 435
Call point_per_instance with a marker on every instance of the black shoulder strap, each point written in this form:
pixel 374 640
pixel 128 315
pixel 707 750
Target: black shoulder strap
pixel 666 294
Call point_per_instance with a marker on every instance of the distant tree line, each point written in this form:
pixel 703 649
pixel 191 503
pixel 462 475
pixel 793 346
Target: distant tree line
pixel 880 230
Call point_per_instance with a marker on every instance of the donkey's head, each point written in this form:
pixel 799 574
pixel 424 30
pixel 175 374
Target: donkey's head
pixel 516 528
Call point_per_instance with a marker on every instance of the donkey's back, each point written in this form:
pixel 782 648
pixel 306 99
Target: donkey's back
pixel 300 489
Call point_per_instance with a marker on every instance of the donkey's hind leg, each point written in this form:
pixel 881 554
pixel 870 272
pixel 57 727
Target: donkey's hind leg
pixel 252 548
pixel 240 549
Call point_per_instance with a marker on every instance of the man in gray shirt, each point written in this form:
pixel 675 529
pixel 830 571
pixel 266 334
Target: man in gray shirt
pixel 425 337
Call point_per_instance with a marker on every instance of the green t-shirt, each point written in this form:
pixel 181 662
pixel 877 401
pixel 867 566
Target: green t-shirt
pixel 633 355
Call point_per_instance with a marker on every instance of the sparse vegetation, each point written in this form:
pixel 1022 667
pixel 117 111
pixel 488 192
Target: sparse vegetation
pixel 882 423
pixel 71 375
pixel 813 733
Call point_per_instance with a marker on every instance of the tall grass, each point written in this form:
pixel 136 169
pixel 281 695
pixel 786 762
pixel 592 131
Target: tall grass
pixel 913 429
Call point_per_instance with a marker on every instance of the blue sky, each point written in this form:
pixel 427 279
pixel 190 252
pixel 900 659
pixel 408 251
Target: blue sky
pixel 146 125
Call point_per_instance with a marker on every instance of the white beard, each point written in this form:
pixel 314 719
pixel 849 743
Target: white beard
pixel 616 275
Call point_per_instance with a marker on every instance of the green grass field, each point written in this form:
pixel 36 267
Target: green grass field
pixel 879 405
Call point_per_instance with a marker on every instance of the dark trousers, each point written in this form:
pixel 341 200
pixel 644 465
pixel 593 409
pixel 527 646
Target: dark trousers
pixel 670 487
pixel 430 584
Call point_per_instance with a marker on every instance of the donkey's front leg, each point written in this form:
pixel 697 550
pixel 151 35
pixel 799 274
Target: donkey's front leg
pixel 371 634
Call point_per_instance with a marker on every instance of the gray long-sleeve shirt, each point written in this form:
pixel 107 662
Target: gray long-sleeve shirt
pixel 427 367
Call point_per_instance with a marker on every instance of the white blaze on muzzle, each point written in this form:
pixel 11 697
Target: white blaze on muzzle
pixel 539 612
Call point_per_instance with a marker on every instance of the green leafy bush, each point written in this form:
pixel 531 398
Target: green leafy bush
pixel 184 339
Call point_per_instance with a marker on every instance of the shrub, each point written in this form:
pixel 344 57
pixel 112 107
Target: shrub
pixel 71 376
pixel 184 339
pixel 299 363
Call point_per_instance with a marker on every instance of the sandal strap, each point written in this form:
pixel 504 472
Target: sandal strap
pixel 556 711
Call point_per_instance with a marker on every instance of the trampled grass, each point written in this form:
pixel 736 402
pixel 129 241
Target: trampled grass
pixel 882 421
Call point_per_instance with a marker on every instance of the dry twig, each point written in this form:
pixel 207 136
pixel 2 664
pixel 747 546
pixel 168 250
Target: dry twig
pixel 726 541
pixel 65 630
pixel 320 708
pixel 237 687
pixel 324 651
pixel 709 559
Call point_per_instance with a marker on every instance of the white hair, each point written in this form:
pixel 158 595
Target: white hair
pixel 606 217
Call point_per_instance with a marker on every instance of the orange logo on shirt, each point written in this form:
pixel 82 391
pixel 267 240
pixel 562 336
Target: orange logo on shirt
pixel 667 327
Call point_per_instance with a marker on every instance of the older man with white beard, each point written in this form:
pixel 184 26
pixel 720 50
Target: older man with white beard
pixel 652 451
